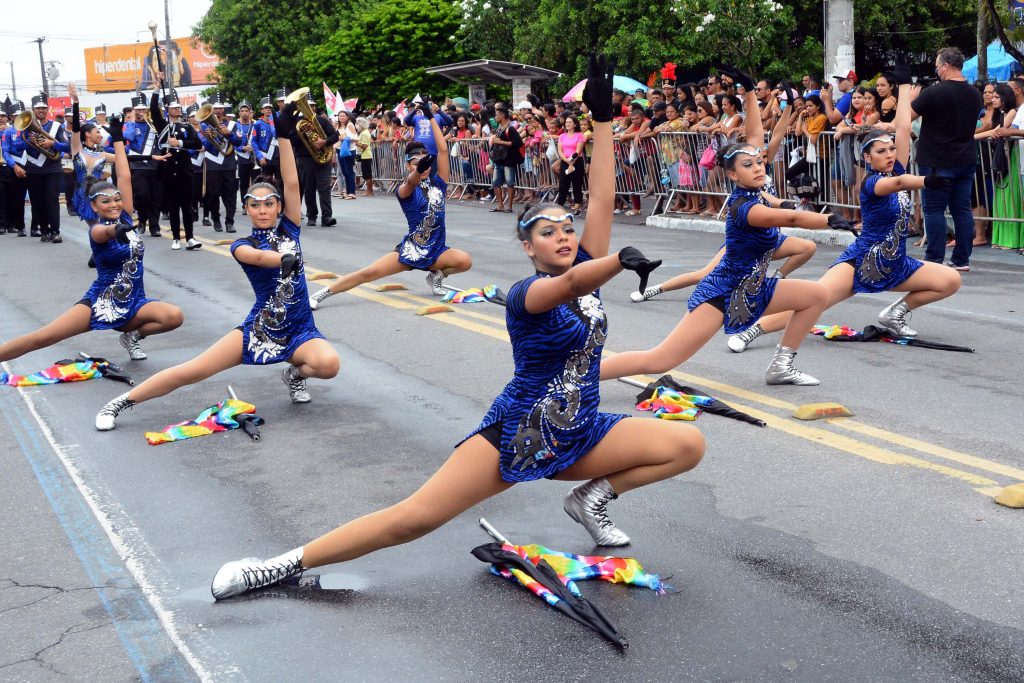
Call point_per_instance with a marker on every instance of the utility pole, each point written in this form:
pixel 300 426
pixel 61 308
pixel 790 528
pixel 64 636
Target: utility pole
pixel 42 66
pixel 839 53
pixel 14 85
pixel 982 40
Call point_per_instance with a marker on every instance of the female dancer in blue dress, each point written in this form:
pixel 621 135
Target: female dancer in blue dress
pixel 117 299
pixel 279 327
pixel 422 198
pixel 796 250
pixel 877 261
pixel 738 289
pixel 546 422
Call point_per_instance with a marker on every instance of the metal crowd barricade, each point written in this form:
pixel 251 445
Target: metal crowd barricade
pixel 389 163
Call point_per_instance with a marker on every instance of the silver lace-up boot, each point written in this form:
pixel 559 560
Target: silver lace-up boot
pixel 434 279
pixel 649 293
pixel 296 385
pixel 108 413
pixel 319 297
pixel 242 576
pixel 587 503
pixel 738 342
pixel 130 342
pixel 781 370
pixel 895 318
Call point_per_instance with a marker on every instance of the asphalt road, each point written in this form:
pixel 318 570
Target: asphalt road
pixel 859 549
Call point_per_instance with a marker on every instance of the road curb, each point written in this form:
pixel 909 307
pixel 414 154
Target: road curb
pixel 832 238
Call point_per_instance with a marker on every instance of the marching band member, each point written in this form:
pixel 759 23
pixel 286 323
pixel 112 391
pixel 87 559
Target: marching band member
pixel 6 175
pixel 143 159
pixel 198 157
pixel 221 165
pixel 246 161
pixel 43 168
pixel 264 139
pixel 314 178
pixel 176 173
pixel 14 169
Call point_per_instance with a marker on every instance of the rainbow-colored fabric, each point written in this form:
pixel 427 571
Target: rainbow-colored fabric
pixel 571 568
pixel 218 418
pixel 473 295
pixel 669 404
pixel 55 374
pixel 833 331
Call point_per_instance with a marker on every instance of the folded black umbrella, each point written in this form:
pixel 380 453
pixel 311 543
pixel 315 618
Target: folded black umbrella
pixel 716 407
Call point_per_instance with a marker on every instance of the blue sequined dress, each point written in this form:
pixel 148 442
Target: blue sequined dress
pixel 117 294
pixel 280 321
pixel 81 203
pixel 740 278
pixel 424 211
pixel 548 412
pixel 879 254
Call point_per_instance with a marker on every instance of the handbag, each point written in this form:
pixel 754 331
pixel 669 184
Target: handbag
pixel 708 158
pixel 499 153
pixel 552 151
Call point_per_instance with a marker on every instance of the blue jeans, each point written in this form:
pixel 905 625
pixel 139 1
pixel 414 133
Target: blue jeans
pixel 348 171
pixel 958 199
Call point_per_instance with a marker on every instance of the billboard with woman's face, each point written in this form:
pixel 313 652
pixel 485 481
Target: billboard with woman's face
pixel 135 66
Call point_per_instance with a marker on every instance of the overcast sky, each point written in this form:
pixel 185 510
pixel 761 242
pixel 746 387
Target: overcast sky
pixel 71 26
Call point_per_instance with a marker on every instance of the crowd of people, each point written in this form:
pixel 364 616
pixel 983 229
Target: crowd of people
pixel 546 422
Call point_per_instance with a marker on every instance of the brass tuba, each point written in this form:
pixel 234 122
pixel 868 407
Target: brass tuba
pixel 309 129
pixel 206 115
pixel 25 122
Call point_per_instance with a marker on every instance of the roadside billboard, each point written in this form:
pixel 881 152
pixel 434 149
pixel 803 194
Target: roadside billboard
pixel 122 68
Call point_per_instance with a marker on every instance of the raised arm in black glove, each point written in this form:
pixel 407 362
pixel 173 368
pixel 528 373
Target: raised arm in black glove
pixel 935 181
pixel 739 78
pixel 791 92
pixel 597 94
pixel 284 121
pixel 837 222
pixel 75 125
pixel 631 258
pixel 289 265
pixel 900 75
pixel 116 127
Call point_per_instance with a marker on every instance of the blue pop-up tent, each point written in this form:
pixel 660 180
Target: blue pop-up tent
pixel 1001 66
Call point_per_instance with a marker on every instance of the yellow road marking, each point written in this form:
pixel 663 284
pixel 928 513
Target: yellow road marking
pixel 988 487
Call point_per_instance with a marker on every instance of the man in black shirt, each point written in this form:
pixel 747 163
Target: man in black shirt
pixel 949 111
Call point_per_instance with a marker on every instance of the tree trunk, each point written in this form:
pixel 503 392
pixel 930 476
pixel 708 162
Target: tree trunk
pixel 1008 45
pixel 982 41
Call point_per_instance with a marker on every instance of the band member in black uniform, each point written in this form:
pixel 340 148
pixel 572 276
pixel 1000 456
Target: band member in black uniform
pixel 221 143
pixel 264 141
pixel 6 174
pixel 176 173
pixel 144 160
pixel 42 165
pixel 198 159
pixel 314 178
pixel 14 170
pixel 246 159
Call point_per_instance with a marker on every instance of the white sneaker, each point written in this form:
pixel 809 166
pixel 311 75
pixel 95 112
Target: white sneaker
pixel 130 342
pixel 175 245
pixel 739 342
pixel 193 244
pixel 317 298
pixel 649 293
pixel 434 279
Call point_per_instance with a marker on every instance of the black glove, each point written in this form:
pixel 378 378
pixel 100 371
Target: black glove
pixel 597 94
pixel 154 101
pixel 900 75
pixel 425 107
pixel 630 258
pixel 116 127
pixel 122 231
pixel 284 121
pixel 289 265
pixel 837 222
pixel 788 204
pixel 740 78
pixel 791 92
pixel 424 164
pixel 937 182
pixel 75 125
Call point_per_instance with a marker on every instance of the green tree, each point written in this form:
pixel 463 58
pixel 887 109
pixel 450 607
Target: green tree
pixel 261 44
pixel 381 52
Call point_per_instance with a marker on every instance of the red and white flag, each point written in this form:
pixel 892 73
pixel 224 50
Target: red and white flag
pixel 330 101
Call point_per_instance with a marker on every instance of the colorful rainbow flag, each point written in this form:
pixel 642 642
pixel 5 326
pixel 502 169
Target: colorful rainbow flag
pixel 218 418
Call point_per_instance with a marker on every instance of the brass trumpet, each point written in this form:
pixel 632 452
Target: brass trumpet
pixel 26 122
pixel 309 129
pixel 206 115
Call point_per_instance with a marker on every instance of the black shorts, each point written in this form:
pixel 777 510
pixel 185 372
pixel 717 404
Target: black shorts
pixel 718 302
pixel 85 302
pixel 493 434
